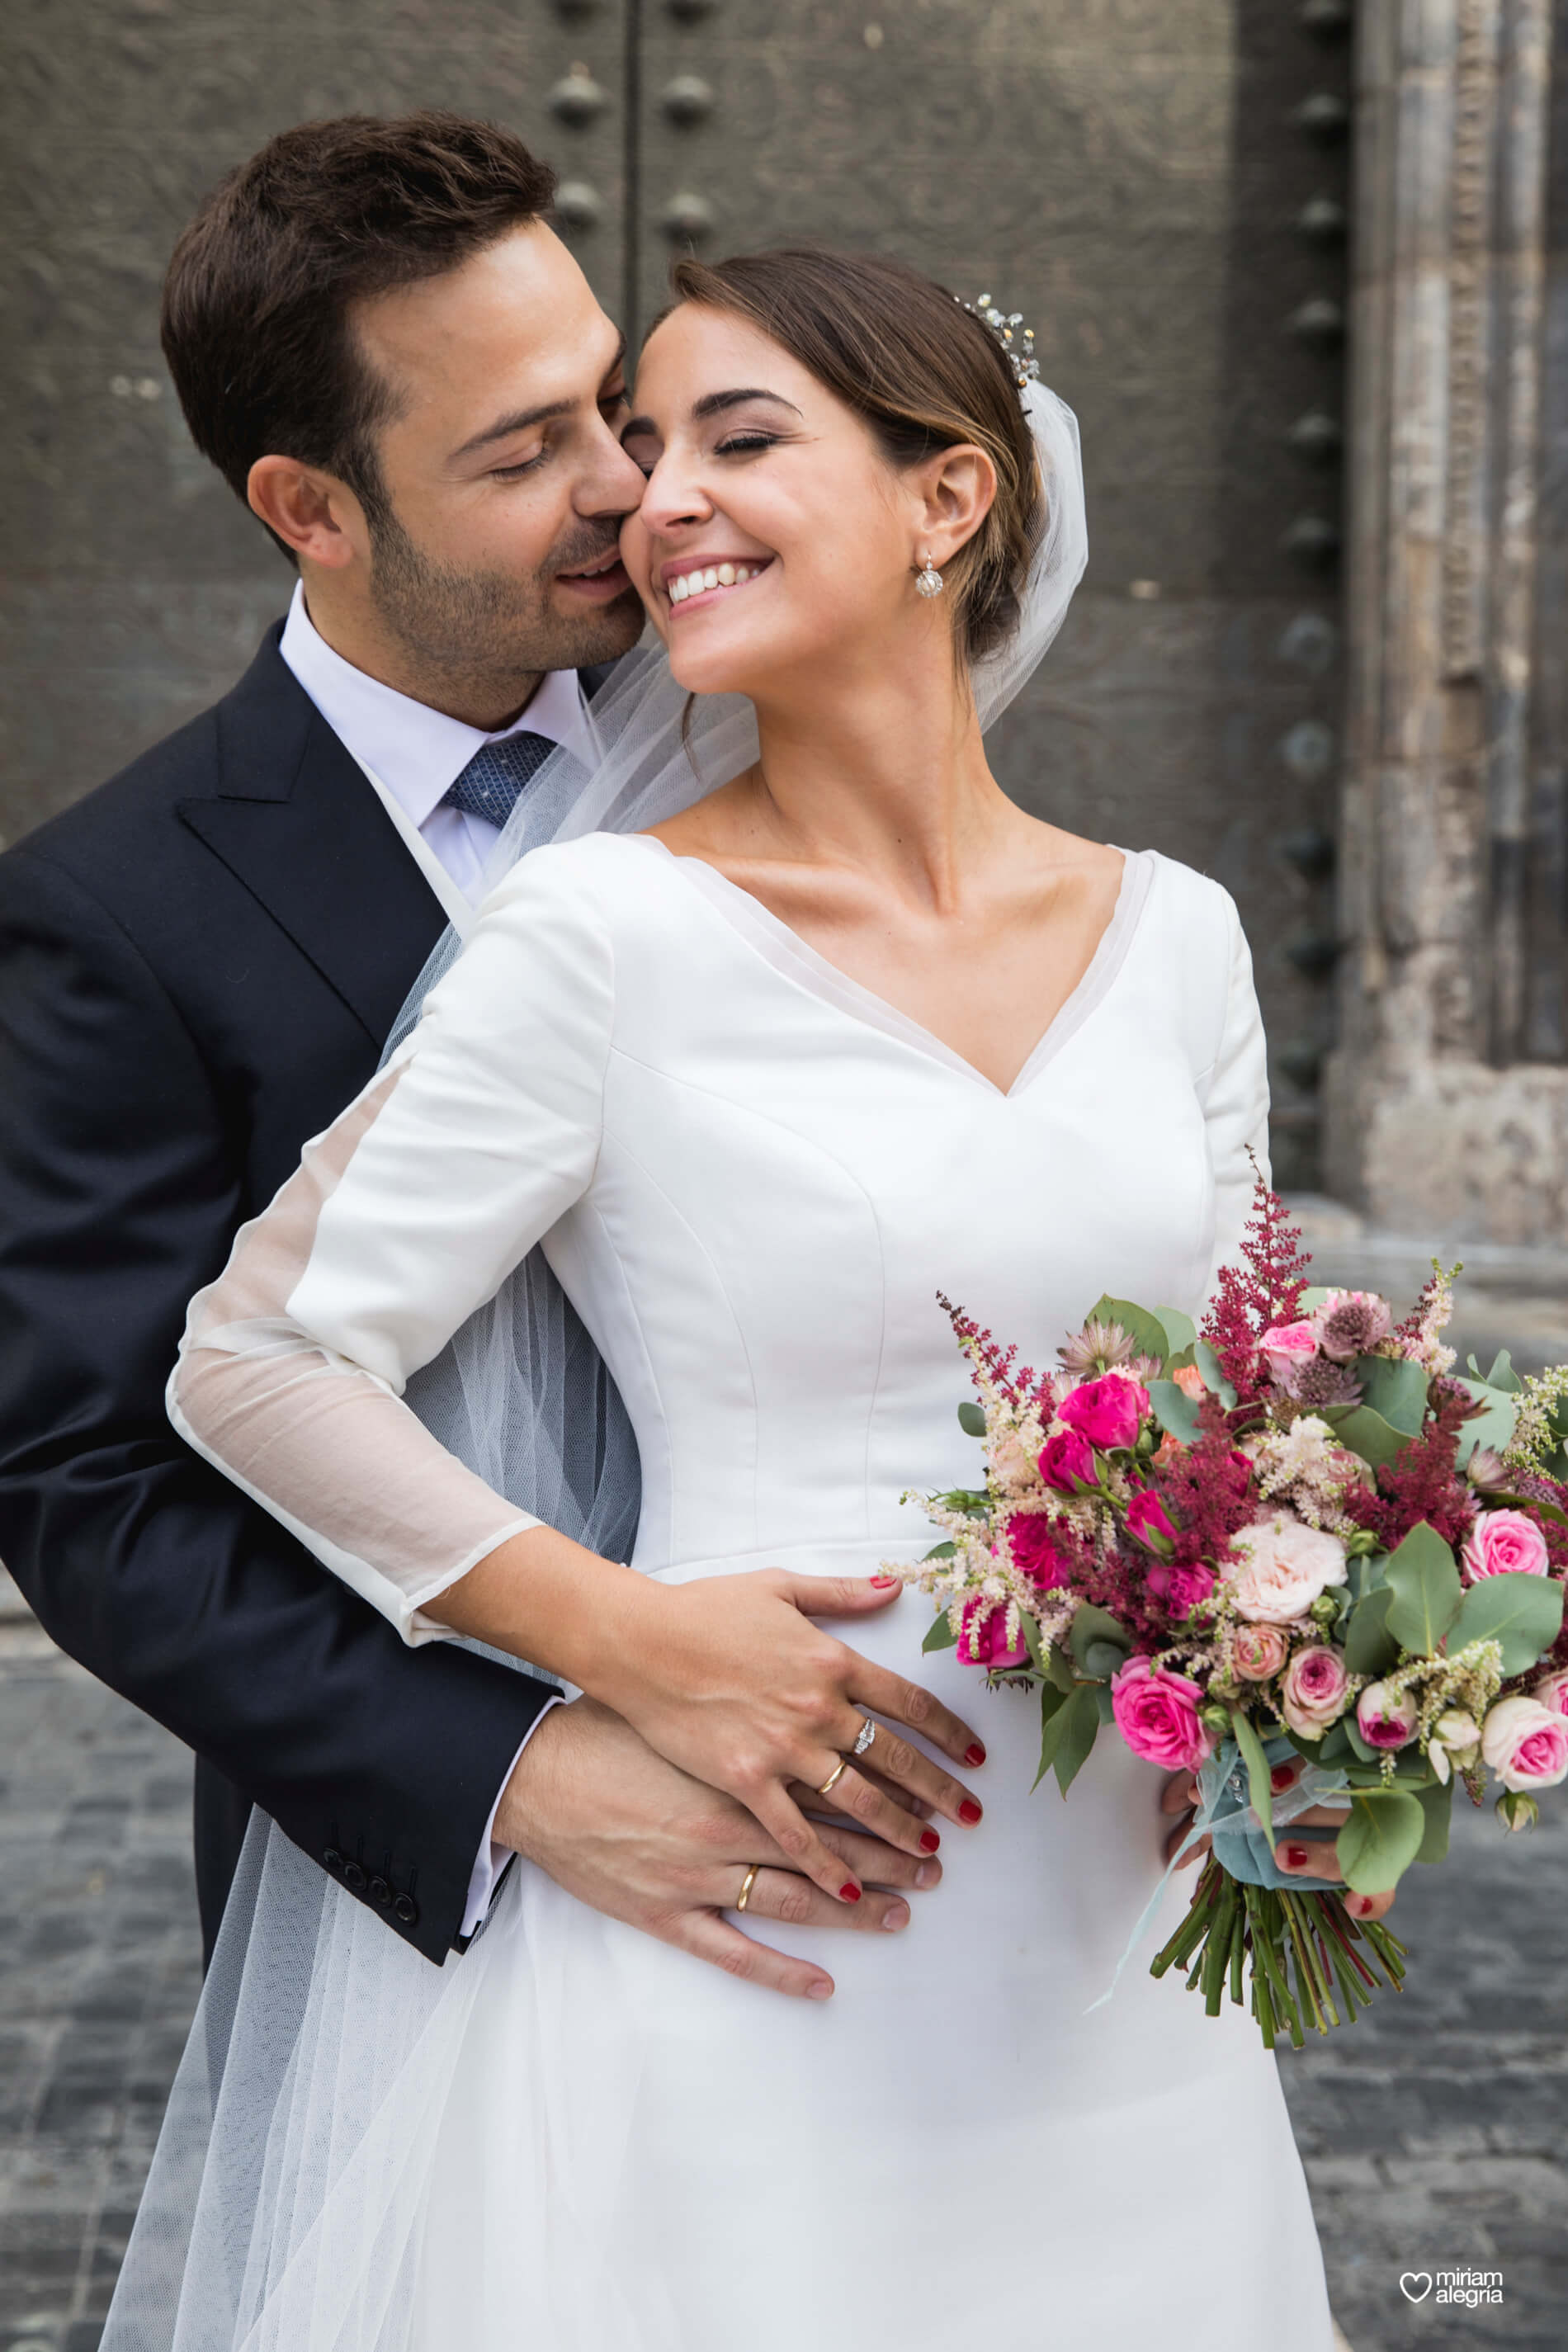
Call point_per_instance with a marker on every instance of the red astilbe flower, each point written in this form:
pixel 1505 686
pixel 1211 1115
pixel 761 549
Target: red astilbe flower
pixel 1208 1490
pixel 1421 1482
pixel 1263 1291
pixel 985 1351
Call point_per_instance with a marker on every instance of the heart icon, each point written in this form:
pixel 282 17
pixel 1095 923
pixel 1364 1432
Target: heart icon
pixel 1415 2284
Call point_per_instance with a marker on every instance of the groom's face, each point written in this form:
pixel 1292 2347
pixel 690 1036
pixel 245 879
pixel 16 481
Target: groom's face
pixel 493 548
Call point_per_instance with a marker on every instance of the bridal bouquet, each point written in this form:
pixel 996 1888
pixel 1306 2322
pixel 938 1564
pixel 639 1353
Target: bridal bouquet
pixel 1293 1553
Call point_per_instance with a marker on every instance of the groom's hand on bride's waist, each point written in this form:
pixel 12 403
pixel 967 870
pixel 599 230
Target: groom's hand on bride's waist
pixel 611 1821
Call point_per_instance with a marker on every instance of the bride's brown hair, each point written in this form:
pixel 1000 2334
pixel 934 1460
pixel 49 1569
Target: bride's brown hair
pixel 924 374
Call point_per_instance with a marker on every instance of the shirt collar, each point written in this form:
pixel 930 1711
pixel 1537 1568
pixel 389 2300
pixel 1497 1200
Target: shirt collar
pixel 418 753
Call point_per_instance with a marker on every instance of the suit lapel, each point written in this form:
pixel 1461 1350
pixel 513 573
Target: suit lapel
pixel 296 820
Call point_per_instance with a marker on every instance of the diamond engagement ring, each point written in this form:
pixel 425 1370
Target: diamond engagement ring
pixel 867 1733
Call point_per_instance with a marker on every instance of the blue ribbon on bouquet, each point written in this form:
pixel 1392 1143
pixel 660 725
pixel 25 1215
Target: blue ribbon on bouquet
pixel 1226 1816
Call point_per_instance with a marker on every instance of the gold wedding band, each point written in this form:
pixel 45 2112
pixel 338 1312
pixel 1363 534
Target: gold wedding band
pixel 747 1884
pixel 832 1781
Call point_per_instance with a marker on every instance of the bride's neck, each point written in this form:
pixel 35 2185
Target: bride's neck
pixel 887 775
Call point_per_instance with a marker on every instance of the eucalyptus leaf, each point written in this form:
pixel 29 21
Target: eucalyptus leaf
pixel 1523 1613
pixel 1174 1411
pixel 940 1635
pixel 970 1419
pixel 1104 1704
pixel 1437 1804
pixel 1426 1591
pixel 1493 1425
pixel 1079 1720
pixel 1031 1633
pixel 1312 1299
pixel 1367 1434
pixel 1394 1388
pixel 1502 1374
pixel 1537 1508
pixel 1357 1745
pixel 1145 1331
pixel 1382 1837
pixel 1103 1659
pixel 1335 1746
pixel 1369 1647
pixel 1212 1374
pixel 1092 1625
pixel 1258 1781
pixel 1181 1332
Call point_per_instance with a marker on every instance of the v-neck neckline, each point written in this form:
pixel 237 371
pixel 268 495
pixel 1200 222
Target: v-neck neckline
pixel 788 952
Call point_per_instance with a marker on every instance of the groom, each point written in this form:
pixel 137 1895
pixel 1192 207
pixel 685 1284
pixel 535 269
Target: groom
pixel 388 355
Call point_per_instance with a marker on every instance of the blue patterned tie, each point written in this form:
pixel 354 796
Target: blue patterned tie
pixel 492 784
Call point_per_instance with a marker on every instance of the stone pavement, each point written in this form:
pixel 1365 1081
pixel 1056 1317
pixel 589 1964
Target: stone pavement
pixel 1432 2130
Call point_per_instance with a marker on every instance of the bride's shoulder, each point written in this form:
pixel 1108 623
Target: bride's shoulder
pixel 1180 896
pixel 584 876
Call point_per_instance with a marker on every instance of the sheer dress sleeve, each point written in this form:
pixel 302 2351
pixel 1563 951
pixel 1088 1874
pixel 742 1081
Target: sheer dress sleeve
pixel 1235 1095
pixel 403 1217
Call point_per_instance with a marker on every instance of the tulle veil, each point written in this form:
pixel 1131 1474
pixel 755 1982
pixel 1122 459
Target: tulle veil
pixel 281 2211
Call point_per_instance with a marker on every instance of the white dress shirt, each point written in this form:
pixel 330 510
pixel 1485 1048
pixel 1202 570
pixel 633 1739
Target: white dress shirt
pixel 413 755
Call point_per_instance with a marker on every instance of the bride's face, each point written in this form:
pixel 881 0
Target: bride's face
pixel 774 537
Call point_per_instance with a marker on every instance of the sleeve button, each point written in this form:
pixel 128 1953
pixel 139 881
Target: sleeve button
pixel 332 1858
pixel 406 1909
pixel 379 1892
pixel 354 1875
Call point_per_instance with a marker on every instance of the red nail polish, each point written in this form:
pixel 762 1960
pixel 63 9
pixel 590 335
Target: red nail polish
pixel 1296 1857
pixel 975 1754
pixel 884 1581
pixel 1360 1904
pixel 929 1841
pixel 849 1893
pixel 969 1810
pixel 1281 1778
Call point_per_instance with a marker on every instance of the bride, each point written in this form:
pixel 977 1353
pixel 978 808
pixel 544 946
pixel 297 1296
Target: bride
pixel 795 1020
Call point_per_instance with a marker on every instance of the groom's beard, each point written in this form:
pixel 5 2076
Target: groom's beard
pixel 474 635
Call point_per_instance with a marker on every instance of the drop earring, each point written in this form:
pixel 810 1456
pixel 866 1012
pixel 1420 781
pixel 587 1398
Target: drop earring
pixel 929 580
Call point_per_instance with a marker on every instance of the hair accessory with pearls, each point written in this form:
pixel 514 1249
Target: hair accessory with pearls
pixel 1019 353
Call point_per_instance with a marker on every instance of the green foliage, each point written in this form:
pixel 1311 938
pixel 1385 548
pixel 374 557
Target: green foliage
pixel 1094 1629
pixel 1437 1804
pixel 1493 1425
pixel 1181 1332
pixel 1370 1648
pixel 1395 1389
pixel 1071 1720
pixel 1174 1411
pixel 942 1551
pixel 1258 1781
pixel 1382 1834
pixel 1367 1434
pixel 970 1419
pixel 1426 1591
pixel 1146 1331
pixel 1212 1374
pixel 1523 1613
pixel 940 1635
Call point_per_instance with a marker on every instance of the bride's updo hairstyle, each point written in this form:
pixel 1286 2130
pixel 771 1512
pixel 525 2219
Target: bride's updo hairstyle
pixel 923 373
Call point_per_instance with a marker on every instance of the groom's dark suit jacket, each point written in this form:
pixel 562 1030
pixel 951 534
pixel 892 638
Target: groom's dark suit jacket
pixel 199 966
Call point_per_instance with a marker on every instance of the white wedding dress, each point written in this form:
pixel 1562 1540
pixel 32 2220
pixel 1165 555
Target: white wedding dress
pixel 752 1176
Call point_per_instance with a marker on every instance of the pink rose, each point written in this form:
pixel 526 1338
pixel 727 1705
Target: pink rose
pixel 1181 1589
pixel 1033 1550
pixel 1384 1718
pixel 1067 1462
pixel 1109 1411
pixel 1284 1566
pixel 1504 1543
pixel 1551 1691
pixel 1258 1652
pixel 983 1636
pixel 1146 1516
pixel 1526 1744
pixel 1315 1692
pixel 1157 1715
pixel 1290 1342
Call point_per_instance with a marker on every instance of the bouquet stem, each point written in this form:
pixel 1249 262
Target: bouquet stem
pixel 1311 1964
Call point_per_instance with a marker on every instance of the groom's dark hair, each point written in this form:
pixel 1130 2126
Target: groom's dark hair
pixel 256 322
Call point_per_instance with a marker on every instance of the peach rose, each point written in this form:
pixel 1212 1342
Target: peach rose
pixel 1284 1566
pixel 1258 1652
